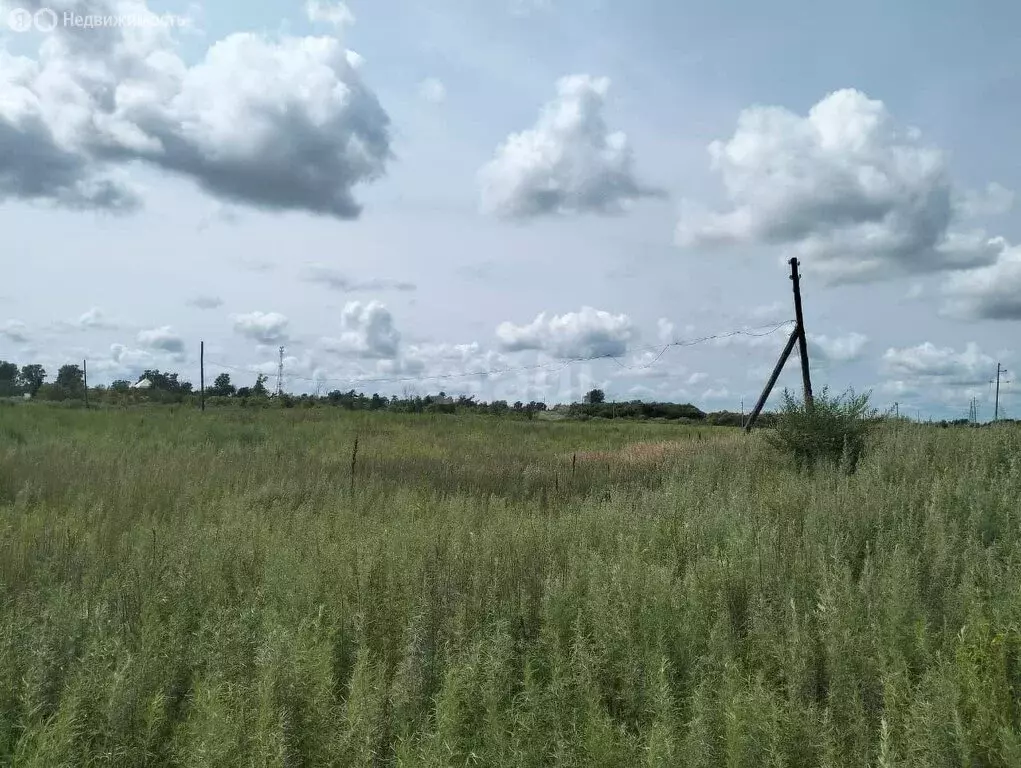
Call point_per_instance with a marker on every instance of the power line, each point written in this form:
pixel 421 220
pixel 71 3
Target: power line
pixel 558 365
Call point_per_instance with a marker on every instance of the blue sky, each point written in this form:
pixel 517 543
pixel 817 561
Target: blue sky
pixel 407 234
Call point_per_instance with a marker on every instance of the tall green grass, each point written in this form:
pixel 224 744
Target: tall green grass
pixel 180 589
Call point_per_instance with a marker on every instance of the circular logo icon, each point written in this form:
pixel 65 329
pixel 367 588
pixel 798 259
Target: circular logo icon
pixel 19 20
pixel 45 20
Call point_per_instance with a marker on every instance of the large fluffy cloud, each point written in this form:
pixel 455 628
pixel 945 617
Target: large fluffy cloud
pixel 588 333
pixel 276 123
pixel 367 330
pixel 263 327
pixel 568 163
pixel 988 293
pixel 846 188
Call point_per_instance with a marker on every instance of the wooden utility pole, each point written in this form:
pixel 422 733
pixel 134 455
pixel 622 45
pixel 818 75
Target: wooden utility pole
pixel 202 375
pixel 797 337
pixel 772 380
pixel 85 380
pixel 806 376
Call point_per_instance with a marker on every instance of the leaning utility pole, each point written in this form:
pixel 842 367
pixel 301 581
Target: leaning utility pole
pixel 85 380
pixel 797 337
pixel 996 408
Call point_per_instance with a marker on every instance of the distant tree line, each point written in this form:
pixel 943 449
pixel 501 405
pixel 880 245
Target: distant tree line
pixel 31 380
pixel 168 387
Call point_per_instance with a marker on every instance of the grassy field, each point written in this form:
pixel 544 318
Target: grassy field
pixel 220 590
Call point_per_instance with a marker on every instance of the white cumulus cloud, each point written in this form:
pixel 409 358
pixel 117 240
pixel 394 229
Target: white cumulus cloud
pixel 263 327
pixel 845 188
pixel 280 123
pixel 94 319
pixel 367 330
pixel 588 333
pixel 568 163
pixel 987 293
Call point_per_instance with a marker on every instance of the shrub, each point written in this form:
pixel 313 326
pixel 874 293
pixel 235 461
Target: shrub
pixel 833 430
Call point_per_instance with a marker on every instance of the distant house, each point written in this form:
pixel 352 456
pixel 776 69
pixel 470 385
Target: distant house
pixel 142 384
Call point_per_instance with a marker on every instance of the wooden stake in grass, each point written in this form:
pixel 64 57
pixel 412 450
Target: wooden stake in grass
pixel 354 463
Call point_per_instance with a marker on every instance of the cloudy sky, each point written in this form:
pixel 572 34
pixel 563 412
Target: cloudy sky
pixel 468 196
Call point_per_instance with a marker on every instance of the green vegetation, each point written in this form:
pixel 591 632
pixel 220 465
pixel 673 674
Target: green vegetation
pixel 832 429
pixel 168 388
pixel 240 588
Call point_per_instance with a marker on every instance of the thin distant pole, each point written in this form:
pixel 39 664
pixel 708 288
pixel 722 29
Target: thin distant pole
pixel 280 374
pixel 85 380
pixel 202 374
pixel 996 408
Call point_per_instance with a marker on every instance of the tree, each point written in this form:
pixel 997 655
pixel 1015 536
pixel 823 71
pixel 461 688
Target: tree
pixel 222 386
pixel 8 379
pixel 166 382
pixel 259 388
pixel 31 378
pixel 120 385
pixel 71 378
pixel 595 397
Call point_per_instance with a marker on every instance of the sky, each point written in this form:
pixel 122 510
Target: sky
pixel 517 199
